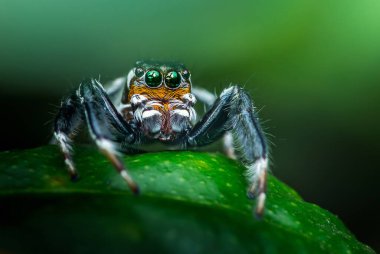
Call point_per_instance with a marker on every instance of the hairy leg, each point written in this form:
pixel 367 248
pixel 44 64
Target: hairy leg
pixel 107 127
pixel 208 99
pixel 234 111
pixel 68 119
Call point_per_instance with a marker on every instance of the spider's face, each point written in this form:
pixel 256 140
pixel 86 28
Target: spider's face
pixel 161 99
pixel 159 81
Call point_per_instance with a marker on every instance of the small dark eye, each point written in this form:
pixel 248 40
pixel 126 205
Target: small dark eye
pixel 173 79
pixel 186 74
pixel 139 72
pixel 153 78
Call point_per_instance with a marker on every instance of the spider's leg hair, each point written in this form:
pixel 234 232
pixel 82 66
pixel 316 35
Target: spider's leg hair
pixel 107 127
pixel 68 119
pixel 234 111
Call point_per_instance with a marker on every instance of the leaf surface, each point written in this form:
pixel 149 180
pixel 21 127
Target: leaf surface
pixel 190 202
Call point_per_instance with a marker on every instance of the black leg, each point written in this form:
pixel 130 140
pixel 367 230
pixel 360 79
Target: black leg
pixel 234 112
pixel 208 99
pixel 107 127
pixel 68 119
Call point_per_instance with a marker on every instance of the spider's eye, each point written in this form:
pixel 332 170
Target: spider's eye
pixel 173 79
pixel 139 72
pixel 153 78
pixel 185 74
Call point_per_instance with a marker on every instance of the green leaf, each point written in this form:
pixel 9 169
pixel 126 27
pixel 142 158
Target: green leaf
pixel 190 202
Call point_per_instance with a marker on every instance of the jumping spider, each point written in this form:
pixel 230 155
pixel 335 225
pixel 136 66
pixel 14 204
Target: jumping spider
pixel 155 103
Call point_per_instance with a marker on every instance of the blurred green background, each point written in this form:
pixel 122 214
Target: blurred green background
pixel 312 68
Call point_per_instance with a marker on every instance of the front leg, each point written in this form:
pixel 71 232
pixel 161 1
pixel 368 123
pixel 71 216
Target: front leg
pixel 208 99
pixel 107 127
pixel 234 111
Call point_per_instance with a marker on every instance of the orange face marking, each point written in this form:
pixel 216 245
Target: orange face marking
pixel 161 93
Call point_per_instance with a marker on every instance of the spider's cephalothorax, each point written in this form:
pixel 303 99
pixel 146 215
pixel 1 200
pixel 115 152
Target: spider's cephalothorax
pixel 154 103
pixel 158 98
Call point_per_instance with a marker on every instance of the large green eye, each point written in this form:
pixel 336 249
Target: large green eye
pixel 153 78
pixel 173 79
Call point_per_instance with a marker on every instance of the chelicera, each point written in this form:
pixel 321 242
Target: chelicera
pixel 154 103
